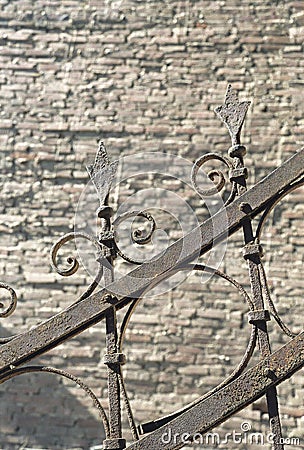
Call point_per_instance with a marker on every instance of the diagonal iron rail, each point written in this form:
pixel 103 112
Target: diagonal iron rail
pixel 93 309
pixel 213 410
pixel 240 208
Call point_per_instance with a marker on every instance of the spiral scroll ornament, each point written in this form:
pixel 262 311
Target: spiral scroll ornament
pixel 73 262
pixel 6 311
pixel 232 113
pixel 215 175
pixel 138 236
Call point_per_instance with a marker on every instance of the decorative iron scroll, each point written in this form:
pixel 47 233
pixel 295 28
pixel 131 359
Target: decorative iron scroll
pixel 6 311
pixel 241 387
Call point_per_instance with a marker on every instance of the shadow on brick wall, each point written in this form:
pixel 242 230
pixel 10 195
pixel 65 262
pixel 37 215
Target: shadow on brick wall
pixel 44 412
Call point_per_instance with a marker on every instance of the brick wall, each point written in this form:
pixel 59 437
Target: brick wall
pixel 142 76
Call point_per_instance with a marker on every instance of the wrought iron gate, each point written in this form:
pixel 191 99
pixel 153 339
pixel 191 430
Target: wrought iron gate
pixel 242 387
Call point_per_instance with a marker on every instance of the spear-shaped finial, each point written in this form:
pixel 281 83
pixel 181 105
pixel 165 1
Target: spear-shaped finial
pixel 102 173
pixel 233 113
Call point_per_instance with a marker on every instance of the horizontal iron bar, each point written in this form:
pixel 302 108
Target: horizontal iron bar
pixel 91 310
pixel 217 408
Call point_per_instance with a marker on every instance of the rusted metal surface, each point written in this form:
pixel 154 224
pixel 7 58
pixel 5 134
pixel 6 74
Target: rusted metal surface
pixel 91 310
pixel 102 173
pixel 233 115
pixel 113 360
pixel 215 409
pixel 240 388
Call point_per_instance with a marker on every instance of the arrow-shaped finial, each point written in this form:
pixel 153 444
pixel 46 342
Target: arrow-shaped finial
pixel 233 113
pixel 102 173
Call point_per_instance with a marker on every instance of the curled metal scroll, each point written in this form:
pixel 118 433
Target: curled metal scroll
pixel 138 236
pixel 215 175
pixel 8 310
pixel 73 262
pixel 29 369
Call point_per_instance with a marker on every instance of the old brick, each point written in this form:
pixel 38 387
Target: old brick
pixel 143 78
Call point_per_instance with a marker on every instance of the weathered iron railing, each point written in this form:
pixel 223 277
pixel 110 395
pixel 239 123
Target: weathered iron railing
pixel 241 387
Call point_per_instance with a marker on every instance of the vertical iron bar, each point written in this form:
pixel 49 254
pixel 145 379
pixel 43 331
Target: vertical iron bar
pixel 113 376
pixel 254 262
pixel 233 113
pixel 112 358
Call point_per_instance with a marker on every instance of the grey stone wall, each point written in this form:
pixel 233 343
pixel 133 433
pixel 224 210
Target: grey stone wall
pixel 141 76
